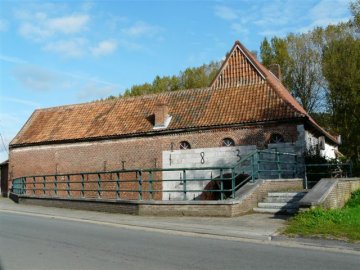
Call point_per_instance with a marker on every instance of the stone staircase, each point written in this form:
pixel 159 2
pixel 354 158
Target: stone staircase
pixel 280 203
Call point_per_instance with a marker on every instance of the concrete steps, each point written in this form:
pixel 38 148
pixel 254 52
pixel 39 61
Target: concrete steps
pixel 280 202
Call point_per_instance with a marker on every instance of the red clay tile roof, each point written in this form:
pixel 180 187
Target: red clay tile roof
pixel 243 92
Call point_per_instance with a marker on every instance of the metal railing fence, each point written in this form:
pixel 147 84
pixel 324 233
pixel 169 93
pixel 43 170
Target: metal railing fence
pixel 217 183
pixel 314 172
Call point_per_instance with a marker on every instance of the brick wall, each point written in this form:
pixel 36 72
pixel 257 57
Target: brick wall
pixel 330 193
pixel 140 152
pixel 340 193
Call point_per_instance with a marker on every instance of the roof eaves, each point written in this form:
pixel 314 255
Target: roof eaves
pixel 321 130
pixel 155 132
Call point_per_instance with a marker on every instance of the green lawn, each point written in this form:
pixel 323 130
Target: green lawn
pixel 335 224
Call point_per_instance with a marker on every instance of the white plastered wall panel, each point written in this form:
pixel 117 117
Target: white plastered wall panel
pixel 312 143
pixel 197 158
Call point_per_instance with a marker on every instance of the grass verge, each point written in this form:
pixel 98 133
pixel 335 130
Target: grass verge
pixel 341 223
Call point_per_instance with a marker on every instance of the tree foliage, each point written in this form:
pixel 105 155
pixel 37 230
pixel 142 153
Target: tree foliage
pixel 190 78
pixel 355 10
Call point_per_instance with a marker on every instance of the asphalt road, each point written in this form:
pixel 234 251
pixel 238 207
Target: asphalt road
pixel 28 242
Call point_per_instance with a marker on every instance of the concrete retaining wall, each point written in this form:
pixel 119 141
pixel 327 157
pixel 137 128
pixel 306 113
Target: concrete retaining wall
pixel 330 193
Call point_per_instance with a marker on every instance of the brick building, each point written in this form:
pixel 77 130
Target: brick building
pixel 245 108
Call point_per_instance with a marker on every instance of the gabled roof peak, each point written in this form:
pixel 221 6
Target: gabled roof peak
pixel 238 69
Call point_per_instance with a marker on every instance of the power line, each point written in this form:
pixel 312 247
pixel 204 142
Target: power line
pixel 3 144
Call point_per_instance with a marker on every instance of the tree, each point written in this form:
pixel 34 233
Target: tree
pixel 304 77
pixel 355 10
pixel 341 68
pixel 266 53
pixel 300 62
pixel 138 90
pixel 275 52
pixel 165 83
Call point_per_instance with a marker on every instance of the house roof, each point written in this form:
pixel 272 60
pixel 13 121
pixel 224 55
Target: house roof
pixel 243 92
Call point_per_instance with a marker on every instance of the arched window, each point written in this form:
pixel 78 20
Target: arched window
pixel 184 145
pixel 276 138
pixel 228 142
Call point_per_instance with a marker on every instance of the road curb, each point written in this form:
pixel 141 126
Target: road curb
pixel 318 242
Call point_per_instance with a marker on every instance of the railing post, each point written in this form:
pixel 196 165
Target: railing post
pixel 140 186
pixel 44 185
pixel 117 185
pixel 350 169
pixel 233 183
pixel 82 185
pixel 305 177
pixel 34 185
pixel 258 165
pixel 253 168
pixel 184 185
pixel 221 185
pixel 151 185
pixel 68 184
pixel 99 185
pixel 23 186
pixel 278 164
pixel 55 185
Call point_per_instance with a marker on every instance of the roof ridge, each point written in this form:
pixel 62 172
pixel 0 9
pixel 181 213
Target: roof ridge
pixel 146 96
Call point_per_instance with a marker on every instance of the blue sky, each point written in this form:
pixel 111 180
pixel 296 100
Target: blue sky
pixel 64 52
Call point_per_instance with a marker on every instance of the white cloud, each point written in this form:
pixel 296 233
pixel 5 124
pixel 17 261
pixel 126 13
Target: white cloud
pixel 3 25
pixel 94 91
pixel 104 48
pixel 39 26
pixel 34 32
pixel 140 29
pixel 239 29
pixel 36 78
pixel 131 46
pixel 11 59
pixel 73 48
pixel 40 79
pixel 328 12
pixel 279 17
pixel 113 22
pixel 225 13
pixel 21 101
pixel 87 6
pixel 68 24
